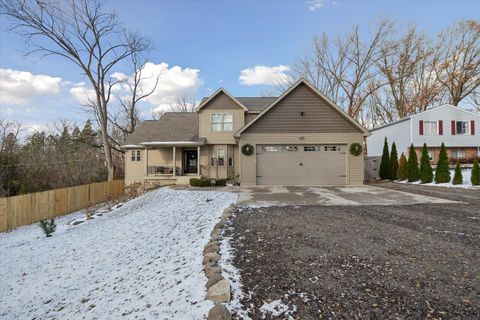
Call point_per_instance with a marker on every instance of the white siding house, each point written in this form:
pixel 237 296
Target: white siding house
pixel 455 127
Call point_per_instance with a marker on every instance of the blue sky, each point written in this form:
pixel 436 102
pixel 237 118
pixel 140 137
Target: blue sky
pixel 210 42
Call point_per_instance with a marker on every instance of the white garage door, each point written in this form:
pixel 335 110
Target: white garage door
pixel 324 164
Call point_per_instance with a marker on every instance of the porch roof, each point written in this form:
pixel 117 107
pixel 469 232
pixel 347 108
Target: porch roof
pixel 173 128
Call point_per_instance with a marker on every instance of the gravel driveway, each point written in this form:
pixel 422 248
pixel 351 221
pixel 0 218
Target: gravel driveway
pixel 399 261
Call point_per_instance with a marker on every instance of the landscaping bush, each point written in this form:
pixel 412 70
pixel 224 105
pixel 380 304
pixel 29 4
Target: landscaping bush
pixel 203 182
pixel 475 178
pixel 426 172
pixel 402 168
pixel 385 163
pixel 394 162
pixel 48 227
pixel 442 173
pixel 413 174
pixel 457 177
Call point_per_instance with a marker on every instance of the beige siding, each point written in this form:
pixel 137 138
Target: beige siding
pixel 134 170
pixel 220 104
pixel 354 164
pixel 318 116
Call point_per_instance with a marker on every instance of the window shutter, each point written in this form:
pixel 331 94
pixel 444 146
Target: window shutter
pixel 453 128
pixel 440 127
pixel 420 127
pixel 472 127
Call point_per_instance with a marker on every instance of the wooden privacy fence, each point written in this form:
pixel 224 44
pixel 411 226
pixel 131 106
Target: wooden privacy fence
pixel 30 208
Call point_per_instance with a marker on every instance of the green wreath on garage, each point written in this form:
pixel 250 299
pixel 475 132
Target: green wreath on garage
pixel 247 149
pixel 356 149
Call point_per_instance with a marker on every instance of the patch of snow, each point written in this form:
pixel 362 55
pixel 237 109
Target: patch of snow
pixel 277 308
pixel 230 272
pixel 466 175
pixel 141 260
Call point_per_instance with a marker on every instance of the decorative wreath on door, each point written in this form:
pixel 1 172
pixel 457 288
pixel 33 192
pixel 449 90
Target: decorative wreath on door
pixel 356 149
pixel 247 149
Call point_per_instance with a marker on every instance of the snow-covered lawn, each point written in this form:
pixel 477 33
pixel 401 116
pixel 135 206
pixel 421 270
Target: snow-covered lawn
pixel 467 184
pixel 142 260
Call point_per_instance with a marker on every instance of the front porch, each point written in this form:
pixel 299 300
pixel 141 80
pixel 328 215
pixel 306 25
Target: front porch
pixel 171 164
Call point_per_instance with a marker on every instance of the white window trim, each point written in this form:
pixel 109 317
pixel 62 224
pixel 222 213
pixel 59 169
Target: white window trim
pixel 429 132
pixel 468 131
pixel 135 156
pixel 222 122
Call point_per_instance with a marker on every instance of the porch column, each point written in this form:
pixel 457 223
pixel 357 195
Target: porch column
pixel 198 161
pixel 146 161
pixel 174 161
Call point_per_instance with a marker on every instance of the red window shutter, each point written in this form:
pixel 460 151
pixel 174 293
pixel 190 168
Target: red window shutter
pixel 453 128
pixel 440 127
pixel 472 127
pixel 420 127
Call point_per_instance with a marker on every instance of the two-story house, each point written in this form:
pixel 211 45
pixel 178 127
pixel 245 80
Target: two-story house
pixel 298 138
pixel 453 126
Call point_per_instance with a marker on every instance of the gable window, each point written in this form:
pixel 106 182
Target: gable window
pixel 458 154
pixel 135 155
pixel 430 127
pixel 221 122
pixel 462 127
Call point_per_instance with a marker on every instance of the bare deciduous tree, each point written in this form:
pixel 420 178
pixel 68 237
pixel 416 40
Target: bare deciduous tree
pixel 83 32
pixel 406 64
pixel 345 69
pixel 182 104
pixel 458 60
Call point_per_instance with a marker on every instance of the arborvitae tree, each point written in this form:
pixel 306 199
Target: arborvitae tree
pixel 457 177
pixel 394 162
pixel 475 178
pixel 385 163
pixel 426 172
pixel 442 173
pixel 413 173
pixel 402 168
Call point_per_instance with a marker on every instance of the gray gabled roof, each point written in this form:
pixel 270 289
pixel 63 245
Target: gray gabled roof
pixel 256 103
pixel 172 127
pixel 253 104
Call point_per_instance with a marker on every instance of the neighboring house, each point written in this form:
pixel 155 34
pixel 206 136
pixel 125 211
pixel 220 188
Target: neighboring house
pixel 455 127
pixel 299 138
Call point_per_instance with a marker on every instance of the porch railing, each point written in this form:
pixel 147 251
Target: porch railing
pixel 162 170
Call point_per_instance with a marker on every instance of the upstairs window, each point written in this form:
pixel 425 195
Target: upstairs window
pixel 461 127
pixel 135 155
pixel 221 122
pixel 430 127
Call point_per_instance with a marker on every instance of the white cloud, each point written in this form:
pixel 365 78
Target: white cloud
pixel 82 94
pixel 315 5
pixel 265 75
pixel 173 83
pixel 19 87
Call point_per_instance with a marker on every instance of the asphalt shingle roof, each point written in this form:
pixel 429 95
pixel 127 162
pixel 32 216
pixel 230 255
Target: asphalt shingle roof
pixel 172 127
pixel 252 103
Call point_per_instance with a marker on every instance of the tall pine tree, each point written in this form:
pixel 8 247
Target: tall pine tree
pixel 413 174
pixel 385 163
pixel 426 172
pixel 475 178
pixel 394 162
pixel 442 173
pixel 402 167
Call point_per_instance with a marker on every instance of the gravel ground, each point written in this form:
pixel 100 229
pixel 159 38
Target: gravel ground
pixel 366 262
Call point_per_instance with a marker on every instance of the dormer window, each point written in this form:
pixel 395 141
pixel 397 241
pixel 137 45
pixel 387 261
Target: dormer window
pixel 221 122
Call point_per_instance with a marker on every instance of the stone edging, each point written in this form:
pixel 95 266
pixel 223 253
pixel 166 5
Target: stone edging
pixel 218 288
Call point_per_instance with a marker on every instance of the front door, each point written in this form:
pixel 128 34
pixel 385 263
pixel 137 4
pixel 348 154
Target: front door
pixel 190 161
